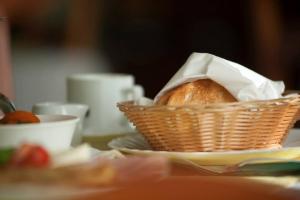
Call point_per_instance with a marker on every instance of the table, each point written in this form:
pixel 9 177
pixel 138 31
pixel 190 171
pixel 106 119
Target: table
pixel 188 183
pixel 199 187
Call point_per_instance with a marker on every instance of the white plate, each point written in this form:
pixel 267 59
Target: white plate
pixel 137 145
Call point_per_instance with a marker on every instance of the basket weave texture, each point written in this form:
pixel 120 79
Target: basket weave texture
pixel 215 127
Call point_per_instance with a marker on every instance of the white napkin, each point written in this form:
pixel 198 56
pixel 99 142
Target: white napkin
pixel 243 83
pixel 82 154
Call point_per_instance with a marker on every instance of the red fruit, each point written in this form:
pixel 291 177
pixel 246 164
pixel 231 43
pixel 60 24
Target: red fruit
pixel 29 155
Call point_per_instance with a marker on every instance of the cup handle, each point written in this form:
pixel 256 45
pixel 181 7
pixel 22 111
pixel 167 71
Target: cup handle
pixel 138 92
pixel 134 93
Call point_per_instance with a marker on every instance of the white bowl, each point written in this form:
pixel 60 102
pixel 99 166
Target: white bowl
pixel 54 132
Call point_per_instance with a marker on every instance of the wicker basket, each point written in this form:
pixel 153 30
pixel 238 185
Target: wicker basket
pixel 217 127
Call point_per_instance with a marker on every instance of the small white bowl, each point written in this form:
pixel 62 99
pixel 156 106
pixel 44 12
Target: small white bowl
pixel 54 132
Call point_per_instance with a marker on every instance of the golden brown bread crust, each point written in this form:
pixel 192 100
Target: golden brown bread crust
pixel 204 91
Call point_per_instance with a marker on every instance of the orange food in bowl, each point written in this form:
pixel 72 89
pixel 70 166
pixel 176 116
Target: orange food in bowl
pixel 19 117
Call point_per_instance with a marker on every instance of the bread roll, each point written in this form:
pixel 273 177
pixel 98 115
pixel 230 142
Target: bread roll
pixel 200 92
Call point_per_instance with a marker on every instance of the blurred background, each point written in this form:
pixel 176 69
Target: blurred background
pixel 151 39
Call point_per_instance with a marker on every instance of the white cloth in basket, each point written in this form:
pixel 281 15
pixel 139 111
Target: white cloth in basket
pixel 243 83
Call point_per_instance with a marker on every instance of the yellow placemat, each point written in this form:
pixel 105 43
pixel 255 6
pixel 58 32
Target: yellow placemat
pixel 283 181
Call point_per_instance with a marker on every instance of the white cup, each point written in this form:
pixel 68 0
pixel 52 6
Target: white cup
pixel 78 110
pixel 101 92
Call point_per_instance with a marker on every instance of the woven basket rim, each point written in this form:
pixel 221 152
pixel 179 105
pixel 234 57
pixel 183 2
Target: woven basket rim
pixel 292 100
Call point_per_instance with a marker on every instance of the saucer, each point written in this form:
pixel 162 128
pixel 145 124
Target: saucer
pixel 136 144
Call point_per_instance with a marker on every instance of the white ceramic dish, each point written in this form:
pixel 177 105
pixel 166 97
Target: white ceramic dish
pixel 135 144
pixel 55 132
